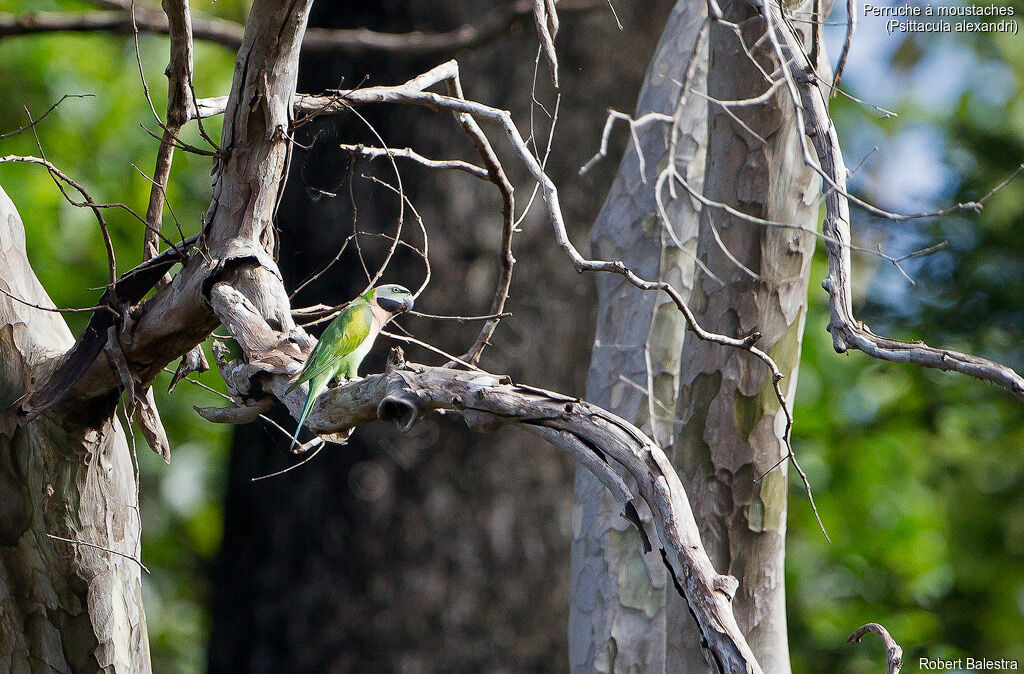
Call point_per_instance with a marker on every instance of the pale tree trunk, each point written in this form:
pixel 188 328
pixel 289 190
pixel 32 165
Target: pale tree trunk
pixel 731 425
pixel 728 423
pixel 617 617
pixel 64 607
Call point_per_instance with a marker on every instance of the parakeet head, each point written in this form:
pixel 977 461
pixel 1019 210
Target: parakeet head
pixel 393 298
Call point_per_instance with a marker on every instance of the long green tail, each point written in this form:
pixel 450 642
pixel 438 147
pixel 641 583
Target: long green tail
pixel 315 389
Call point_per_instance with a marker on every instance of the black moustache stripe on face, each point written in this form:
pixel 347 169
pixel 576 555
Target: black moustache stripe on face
pixel 391 306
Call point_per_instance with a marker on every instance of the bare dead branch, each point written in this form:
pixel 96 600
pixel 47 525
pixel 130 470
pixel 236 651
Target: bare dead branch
pixel 58 177
pixel 99 547
pixel 893 652
pixel 424 253
pixel 461 319
pixel 372 153
pixel 180 144
pixel 635 125
pixel 851 27
pixel 546 19
pixel 323 270
pixel 496 174
pixel 319 444
pixel 180 104
pixel 57 310
pixel 409 339
pixel 241 414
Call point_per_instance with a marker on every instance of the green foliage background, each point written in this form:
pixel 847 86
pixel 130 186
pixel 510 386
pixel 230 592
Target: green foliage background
pixel 919 475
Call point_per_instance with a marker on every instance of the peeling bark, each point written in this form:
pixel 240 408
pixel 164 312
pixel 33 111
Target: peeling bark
pixel 732 427
pixel 617 617
pixel 64 607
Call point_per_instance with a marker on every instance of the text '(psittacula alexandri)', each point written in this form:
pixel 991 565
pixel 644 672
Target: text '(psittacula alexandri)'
pixel 347 340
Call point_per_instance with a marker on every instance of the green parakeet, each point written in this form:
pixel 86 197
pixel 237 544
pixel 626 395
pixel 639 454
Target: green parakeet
pixel 347 340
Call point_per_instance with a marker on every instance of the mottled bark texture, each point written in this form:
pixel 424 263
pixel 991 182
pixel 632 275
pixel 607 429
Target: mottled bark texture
pixel 617 618
pixel 64 607
pixel 731 426
pixel 728 424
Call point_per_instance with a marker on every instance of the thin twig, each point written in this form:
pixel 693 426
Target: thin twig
pixel 32 124
pixel 461 319
pixel 99 547
pixel 408 153
pixel 429 347
pixel 82 310
pixel 851 27
pixel 57 175
pixel 320 444
pixel 546 20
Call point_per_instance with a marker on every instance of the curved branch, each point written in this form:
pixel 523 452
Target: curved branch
pixel 893 652
pixel 407 392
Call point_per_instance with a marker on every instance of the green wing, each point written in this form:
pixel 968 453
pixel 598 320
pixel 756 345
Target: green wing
pixel 342 337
